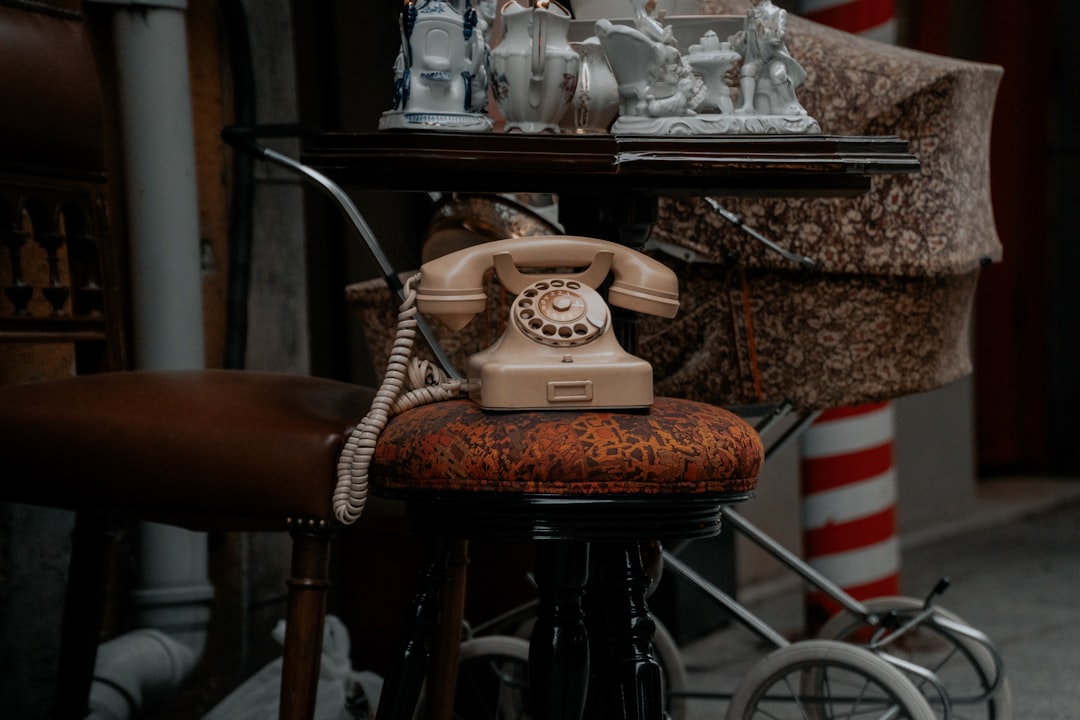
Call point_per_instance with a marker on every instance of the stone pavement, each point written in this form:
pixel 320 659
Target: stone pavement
pixel 1015 570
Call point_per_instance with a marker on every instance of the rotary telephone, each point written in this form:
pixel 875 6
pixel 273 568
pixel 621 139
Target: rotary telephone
pixel 559 350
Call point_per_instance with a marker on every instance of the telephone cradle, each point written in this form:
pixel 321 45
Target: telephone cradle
pixel 559 350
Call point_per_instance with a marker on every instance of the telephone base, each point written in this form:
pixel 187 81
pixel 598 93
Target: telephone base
pixel 625 384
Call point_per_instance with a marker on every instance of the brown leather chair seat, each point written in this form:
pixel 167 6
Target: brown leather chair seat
pixel 204 449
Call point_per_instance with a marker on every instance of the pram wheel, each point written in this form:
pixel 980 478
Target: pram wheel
pixel 672 671
pixel 825 679
pixel 966 664
pixel 492 680
pixel 665 651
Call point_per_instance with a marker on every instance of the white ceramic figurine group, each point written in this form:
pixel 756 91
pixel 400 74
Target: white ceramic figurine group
pixel 631 78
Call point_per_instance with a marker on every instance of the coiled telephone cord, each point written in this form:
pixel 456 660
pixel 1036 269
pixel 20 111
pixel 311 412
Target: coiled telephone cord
pixel 428 383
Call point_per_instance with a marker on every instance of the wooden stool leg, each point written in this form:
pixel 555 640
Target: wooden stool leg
pixel 402 687
pixel 304 620
pixel 559 648
pixel 443 678
pixel 627 676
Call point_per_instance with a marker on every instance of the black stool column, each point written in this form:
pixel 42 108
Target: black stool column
pixel 626 679
pixel 401 691
pixel 559 647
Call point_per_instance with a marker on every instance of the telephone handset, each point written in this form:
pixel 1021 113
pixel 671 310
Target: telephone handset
pixel 559 349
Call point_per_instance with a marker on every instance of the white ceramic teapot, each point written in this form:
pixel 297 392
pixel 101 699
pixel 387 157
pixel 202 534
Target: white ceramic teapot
pixel 534 69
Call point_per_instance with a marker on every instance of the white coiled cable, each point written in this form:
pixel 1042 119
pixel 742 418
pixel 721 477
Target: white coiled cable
pixel 428 383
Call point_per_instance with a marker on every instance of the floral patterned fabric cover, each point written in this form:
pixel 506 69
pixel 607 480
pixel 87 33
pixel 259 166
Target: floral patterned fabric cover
pixel 885 312
pixel 677 447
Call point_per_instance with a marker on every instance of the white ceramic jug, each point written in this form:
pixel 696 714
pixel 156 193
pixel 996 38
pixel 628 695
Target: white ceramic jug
pixel 534 69
pixel 596 99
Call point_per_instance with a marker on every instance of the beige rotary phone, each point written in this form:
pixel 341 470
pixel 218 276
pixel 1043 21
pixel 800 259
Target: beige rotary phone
pixel 559 350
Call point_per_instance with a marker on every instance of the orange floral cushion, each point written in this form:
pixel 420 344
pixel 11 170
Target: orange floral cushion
pixel 677 446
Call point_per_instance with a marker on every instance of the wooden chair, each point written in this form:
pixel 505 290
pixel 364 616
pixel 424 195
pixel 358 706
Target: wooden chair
pixel 204 450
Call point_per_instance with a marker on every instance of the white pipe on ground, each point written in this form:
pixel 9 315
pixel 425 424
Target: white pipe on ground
pixel 136 671
pixel 173 590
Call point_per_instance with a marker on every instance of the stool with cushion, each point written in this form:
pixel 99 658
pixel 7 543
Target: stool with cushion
pixel 588 486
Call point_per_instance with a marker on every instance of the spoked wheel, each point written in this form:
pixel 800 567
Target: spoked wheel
pixel 492 680
pixel 967 668
pixel 826 680
pixel 672 672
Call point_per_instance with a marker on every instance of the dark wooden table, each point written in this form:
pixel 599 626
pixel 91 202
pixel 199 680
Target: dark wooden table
pixel 790 165
pixel 608 185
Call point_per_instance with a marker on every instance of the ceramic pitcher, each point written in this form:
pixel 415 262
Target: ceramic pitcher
pixel 596 99
pixel 534 69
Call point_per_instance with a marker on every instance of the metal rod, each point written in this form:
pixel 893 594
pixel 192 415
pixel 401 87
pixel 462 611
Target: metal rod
pixel 767 423
pixel 243 139
pixel 737 221
pixel 791 432
pixel 748 619
pixel 794 562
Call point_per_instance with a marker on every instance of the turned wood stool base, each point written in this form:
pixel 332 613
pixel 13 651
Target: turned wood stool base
pixel 588 487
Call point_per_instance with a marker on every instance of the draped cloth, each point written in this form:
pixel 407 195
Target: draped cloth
pixel 885 312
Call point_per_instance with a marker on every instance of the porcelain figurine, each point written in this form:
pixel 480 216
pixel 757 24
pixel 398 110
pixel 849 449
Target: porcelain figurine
pixel 486 10
pixel 713 59
pixel 663 92
pixel 612 9
pixel 441 69
pixel 596 100
pixel 534 69
pixel 769 74
pixel 657 89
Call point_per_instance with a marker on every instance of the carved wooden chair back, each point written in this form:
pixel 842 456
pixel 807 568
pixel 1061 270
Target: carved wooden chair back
pixel 60 271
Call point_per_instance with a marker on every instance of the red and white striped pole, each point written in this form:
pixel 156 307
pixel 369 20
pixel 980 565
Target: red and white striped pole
pixel 848 476
pixel 874 19
pixel 849 506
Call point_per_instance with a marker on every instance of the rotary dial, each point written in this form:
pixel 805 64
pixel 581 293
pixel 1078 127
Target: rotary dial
pixel 561 313
pixel 560 305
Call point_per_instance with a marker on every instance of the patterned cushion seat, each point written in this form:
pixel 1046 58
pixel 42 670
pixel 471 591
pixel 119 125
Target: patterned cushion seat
pixel 496 468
